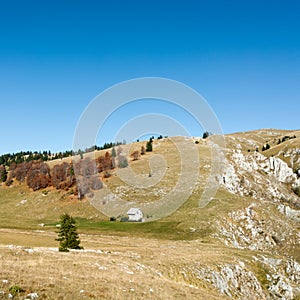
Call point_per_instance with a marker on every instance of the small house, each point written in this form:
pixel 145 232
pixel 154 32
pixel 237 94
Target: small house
pixel 135 215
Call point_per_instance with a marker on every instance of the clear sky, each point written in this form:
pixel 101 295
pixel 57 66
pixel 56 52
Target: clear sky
pixel 56 56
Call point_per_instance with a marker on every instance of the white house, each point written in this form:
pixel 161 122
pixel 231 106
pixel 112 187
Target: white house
pixel 135 215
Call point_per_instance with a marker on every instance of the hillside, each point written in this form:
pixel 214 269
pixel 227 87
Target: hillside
pixel 245 243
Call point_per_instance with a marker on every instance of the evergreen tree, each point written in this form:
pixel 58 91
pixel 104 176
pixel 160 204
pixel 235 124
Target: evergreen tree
pixel 122 161
pixel 67 235
pixel 206 134
pixel 113 152
pixel 149 145
pixel 80 152
pixel 3 173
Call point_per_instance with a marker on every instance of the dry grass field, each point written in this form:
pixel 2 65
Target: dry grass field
pixel 110 268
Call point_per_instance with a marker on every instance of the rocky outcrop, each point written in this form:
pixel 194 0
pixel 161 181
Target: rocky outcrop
pixel 289 212
pixel 233 280
pixel 283 277
pixel 272 279
pixel 247 229
pixel 259 177
pixel 281 170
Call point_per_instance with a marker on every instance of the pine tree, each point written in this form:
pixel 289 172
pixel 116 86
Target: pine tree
pixel 149 145
pixel 67 235
pixel 3 173
pixel 122 161
pixel 113 152
pixel 206 134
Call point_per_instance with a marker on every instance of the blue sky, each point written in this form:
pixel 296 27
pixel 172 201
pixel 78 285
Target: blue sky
pixel 56 56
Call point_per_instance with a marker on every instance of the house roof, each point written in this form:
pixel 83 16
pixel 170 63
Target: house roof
pixel 132 211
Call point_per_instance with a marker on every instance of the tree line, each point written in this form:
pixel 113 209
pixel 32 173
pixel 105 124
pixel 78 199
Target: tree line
pixel 27 156
pixel 79 177
pixel 38 175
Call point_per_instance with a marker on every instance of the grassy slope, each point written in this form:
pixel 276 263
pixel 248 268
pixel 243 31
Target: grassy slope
pixel 47 209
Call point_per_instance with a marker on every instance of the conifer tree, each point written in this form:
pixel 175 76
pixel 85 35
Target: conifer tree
pixel 3 173
pixel 113 152
pixel 149 145
pixel 67 236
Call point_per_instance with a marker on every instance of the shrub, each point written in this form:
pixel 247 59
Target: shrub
pixel 297 190
pixel 15 289
pixel 206 134
pixel 106 174
pixel 135 155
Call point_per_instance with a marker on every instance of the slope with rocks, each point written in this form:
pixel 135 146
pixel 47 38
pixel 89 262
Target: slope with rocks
pixel 244 244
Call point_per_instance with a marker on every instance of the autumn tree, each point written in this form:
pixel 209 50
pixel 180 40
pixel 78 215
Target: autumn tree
pixel 135 155
pixel 143 150
pixel 20 171
pixel 62 176
pixel 95 183
pixel 38 176
pixel 59 174
pixel 105 162
pixel 83 187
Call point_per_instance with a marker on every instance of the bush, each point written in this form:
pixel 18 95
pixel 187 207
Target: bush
pixel 106 174
pixel 265 147
pixel 135 155
pixel 14 289
pixel 206 134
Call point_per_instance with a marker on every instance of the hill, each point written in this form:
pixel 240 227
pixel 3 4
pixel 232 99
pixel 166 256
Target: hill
pixel 244 243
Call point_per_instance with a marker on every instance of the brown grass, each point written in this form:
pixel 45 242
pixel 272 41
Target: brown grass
pixel 125 268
